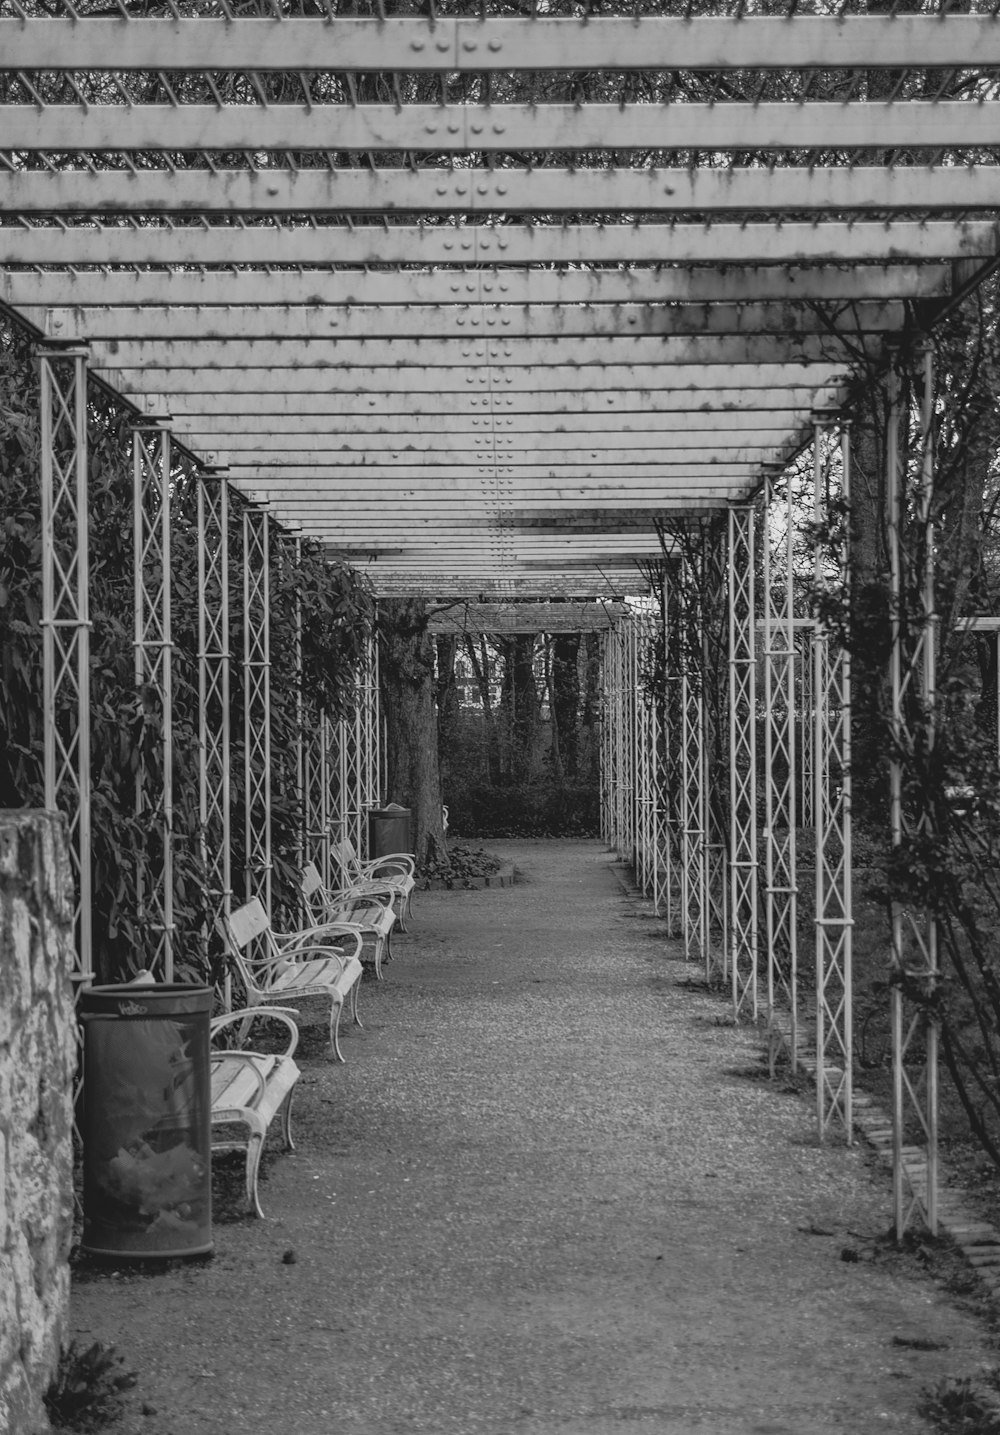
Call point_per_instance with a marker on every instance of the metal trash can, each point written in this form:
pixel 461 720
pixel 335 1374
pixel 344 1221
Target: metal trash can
pixel 388 830
pixel 147 1093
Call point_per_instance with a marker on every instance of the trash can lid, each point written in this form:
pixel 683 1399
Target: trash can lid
pixel 142 1001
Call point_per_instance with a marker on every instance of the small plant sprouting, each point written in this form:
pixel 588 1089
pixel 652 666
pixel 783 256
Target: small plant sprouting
pixel 85 1393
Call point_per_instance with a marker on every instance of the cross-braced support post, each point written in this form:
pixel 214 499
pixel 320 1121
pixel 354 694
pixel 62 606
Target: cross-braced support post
pixel 616 740
pixel 367 734
pixel 645 760
pixel 781 896
pixel 153 645
pixel 316 790
pixel 662 858
pixel 831 805
pixel 214 656
pixel 694 817
pixel 604 748
pixel 742 764
pixel 257 703
pixel 66 618
pixel 672 784
pixel 715 672
pixel 913 679
pixel 629 742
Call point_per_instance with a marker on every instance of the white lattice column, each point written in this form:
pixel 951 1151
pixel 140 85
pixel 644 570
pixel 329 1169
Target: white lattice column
pixel 66 619
pixel 214 657
pixel 257 703
pixel 742 764
pixel 629 745
pixel 645 762
pixel 831 691
pixel 913 679
pixel 618 787
pixel 694 892
pixel 604 753
pixel 373 726
pixel 781 899
pixel 714 685
pixel 153 645
pixel 671 737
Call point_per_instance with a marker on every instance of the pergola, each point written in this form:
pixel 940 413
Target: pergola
pixel 496 306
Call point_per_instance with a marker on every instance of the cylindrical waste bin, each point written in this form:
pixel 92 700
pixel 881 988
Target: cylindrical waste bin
pixel 147 1153
pixel 388 830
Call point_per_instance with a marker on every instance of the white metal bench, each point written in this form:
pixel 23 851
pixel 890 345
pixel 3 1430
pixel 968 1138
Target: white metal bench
pixel 249 1089
pixel 279 967
pixel 395 870
pixel 370 911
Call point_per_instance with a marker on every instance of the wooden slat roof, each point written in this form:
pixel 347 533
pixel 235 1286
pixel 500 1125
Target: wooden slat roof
pixel 478 302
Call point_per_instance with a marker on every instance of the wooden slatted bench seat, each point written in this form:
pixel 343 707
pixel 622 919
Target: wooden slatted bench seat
pixel 249 1088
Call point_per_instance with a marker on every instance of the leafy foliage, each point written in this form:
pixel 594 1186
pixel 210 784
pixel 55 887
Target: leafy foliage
pixel 461 864
pixel 85 1393
pixel 127 725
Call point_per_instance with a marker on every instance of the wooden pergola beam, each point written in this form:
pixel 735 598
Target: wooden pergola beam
pixel 373 128
pixel 387 464
pixel 507 45
pixel 260 410
pixel 659 284
pixel 921 188
pixel 464 445
pixel 447 432
pixel 608 382
pixel 200 325
pixel 526 618
pixel 462 365
pixel 266 243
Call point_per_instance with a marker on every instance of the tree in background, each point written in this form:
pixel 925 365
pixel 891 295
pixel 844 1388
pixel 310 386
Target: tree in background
pixel 407 668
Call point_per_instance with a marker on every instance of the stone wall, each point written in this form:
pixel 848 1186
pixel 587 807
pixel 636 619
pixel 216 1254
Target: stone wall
pixel 37 1063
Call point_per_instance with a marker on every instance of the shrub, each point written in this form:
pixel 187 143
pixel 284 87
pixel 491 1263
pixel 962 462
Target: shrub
pixel 539 810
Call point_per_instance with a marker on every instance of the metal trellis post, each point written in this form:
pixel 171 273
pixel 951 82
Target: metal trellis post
pixel 153 679
pixel 914 932
pixel 257 703
pixel 742 764
pixel 831 693
pixel 66 618
pixel 779 786
pixel 214 656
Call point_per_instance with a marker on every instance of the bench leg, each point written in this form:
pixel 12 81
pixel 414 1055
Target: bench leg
pixel 377 954
pixel 255 1147
pixel 286 1121
pixel 335 1010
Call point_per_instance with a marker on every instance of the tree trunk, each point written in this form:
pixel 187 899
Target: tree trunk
pixel 481 668
pixel 412 772
pixel 447 702
pixel 588 736
pixel 566 698
pixel 519 701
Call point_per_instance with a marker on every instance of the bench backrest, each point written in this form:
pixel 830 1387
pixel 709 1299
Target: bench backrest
pixel 240 931
pixel 311 882
pixel 246 923
pixel 346 858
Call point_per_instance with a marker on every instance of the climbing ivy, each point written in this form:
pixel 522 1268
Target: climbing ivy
pixel 126 727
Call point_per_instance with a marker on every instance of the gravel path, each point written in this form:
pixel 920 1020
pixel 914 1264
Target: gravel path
pixel 546 1194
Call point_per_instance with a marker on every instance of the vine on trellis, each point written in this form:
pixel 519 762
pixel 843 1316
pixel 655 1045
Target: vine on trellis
pixel 337 612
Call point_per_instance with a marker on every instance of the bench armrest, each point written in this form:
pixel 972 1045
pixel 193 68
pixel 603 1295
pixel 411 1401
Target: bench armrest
pixel 319 940
pixel 402 860
pixel 279 1013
